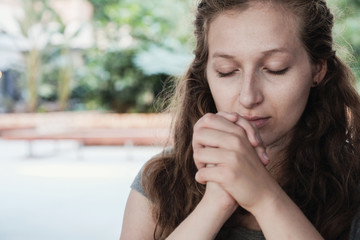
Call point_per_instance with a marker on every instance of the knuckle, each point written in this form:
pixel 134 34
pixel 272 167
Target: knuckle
pixel 200 175
pixel 197 154
pixel 204 120
pixel 197 125
pixel 195 139
pixel 208 117
pixel 198 134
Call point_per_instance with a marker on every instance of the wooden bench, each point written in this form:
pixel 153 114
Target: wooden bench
pixel 87 128
pixel 108 136
pixel 91 137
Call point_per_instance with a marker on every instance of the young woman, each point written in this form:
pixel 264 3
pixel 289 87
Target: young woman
pixel 266 133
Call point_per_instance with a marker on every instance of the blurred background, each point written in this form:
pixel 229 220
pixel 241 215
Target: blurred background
pixel 79 81
pixel 111 55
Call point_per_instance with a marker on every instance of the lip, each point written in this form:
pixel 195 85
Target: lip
pixel 259 122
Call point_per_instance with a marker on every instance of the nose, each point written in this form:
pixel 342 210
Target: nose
pixel 251 93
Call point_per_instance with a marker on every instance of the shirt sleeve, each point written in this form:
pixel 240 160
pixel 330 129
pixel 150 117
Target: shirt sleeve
pixel 136 184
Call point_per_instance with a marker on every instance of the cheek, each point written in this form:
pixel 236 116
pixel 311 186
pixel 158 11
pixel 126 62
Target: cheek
pixel 291 104
pixel 287 110
pixel 218 98
pixel 293 93
pixel 223 96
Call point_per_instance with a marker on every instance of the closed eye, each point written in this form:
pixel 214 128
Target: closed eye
pixel 280 72
pixel 227 74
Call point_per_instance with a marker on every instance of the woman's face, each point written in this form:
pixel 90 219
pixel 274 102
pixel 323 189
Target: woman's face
pixel 258 68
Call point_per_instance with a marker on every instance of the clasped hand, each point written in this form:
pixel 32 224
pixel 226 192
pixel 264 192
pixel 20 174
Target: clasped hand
pixel 231 160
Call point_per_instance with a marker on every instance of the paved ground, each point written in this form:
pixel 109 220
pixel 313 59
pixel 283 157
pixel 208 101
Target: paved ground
pixel 65 192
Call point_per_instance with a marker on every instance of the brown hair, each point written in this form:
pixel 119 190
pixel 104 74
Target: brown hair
pixel 323 174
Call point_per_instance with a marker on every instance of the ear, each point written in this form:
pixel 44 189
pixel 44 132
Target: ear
pixel 319 72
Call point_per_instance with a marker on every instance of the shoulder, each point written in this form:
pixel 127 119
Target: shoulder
pixel 138 222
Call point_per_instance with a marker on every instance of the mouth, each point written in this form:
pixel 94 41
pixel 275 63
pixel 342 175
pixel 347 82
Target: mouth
pixel 259 122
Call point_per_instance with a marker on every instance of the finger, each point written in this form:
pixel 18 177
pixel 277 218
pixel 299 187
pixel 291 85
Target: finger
pixel 251 131
pixel 254 137
pixel 214 157
pixel 232 117
pixel 214 138
pixel 216 122
pixel 208 157
pixel 261 152
pixel 210 174
pixel 222 122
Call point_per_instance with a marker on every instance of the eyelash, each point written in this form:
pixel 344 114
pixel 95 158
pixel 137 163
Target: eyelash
pixel 228 74
pixel 281 72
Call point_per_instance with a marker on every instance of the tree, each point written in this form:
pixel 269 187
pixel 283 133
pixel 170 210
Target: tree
pixel 137 31
pixel 36 16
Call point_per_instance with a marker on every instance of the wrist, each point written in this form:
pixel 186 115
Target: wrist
pixel 204 222
pixel 270 202
pixel 216 215
pixel 217 207
pixel 280 218
pixel 218 200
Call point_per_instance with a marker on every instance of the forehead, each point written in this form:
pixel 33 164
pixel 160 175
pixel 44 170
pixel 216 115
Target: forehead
pixel 258 28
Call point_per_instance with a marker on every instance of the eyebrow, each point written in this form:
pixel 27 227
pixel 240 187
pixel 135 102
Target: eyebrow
pixel 265 53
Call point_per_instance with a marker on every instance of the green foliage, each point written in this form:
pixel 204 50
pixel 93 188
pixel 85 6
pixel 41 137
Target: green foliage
pixel 123 78
pixel 347 32
pixel 115 83
pixel 149 21
pixel 99 7
pixel 111 77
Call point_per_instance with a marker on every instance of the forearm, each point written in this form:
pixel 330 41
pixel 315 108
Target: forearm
pixel 281 218
pixel 206 220
pixel 199 225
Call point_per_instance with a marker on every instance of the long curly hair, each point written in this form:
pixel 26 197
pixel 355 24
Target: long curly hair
pixel 321 169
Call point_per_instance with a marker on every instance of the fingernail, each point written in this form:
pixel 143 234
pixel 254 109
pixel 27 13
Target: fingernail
pixel 235 115
pixel 266 157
